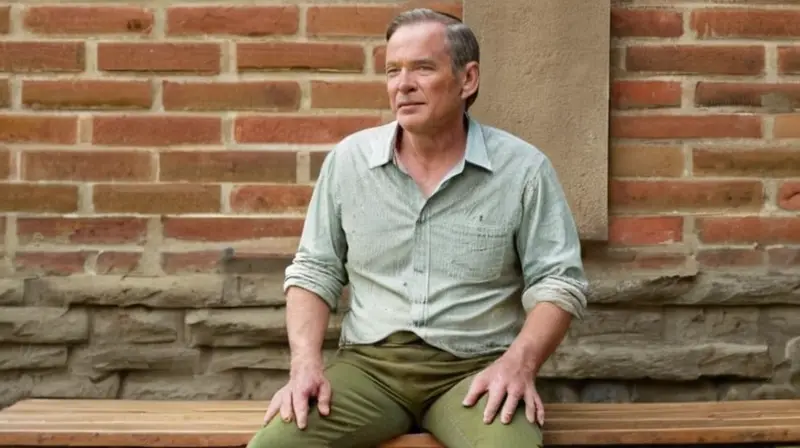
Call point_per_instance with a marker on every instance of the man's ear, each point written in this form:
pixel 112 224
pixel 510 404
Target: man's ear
pixel 470 79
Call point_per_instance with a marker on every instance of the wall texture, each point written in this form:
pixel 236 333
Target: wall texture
pixel 133 157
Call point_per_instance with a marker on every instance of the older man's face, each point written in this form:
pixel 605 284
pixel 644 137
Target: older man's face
pixel 424 93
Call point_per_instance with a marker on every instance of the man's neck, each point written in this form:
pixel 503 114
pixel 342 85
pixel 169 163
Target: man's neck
pixel 433 151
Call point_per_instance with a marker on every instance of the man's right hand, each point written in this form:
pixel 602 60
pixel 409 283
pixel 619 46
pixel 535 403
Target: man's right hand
pixel 306 381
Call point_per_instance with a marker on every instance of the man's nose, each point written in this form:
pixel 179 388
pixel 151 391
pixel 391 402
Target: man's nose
pixel 405 82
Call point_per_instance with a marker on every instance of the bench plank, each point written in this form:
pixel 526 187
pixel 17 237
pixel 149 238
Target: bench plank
pixel 148 423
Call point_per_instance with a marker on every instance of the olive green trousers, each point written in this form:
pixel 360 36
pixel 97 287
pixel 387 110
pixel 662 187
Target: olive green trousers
pixel 397 386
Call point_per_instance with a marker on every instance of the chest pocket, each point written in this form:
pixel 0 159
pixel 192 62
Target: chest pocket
pixel 470 252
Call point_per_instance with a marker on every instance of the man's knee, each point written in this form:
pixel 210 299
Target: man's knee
pixel 279 434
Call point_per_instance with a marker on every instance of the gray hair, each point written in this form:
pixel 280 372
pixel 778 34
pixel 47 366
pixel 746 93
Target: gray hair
pixel 461 41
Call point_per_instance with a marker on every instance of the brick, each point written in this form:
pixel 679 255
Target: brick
pixel 316 159
pixel 130 130
pixel 228 166
pixel 379 59
pixel 117 263
pixel 86 166
pixel 787 126
pixel 696 59
pixel 223 96
pixel 201 58
pixel 694 196
pixel 789 196
pixel 5 19
pixel 86 94
pixel 641 231
pixel 33 57
pixel 646 161
pixel 5 93
pixel 271 198
pixel 28 197
pixel 156 198
pixel 761 162
pixel 5 163
pixel 631 259
pixel 745 23
pixel 749 230
pixel 299 56
pixel 710 94
pixel 349 95
pixel 789 60
pixel 294 129
pixel 784 257
pixel 369 21
pixel 233 20
pixel 686 127
pixel 646 23
pixel 117 230
pixel 715 258
pixel 645 94
pixel 190 262
pixel 51 263
pixel 230 229
pixel 38 129
pixel 88 20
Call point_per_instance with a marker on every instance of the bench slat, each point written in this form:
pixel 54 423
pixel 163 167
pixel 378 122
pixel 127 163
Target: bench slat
pixel 173 424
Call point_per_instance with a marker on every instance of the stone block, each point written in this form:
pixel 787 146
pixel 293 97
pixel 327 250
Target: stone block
pixel 557 391
pixel 676 362
pixel 11 291
pixel 666 392
pixel 24 357
pixel 43 325
pixel 262 384
pixel 136 326
pixel 605 392
pixel 176 386
pixel 698 324
pixel 242 327
pixel 114 358
pixel 262 358
pixel 613 325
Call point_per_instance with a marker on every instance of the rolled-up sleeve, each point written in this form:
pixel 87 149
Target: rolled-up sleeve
pixel 319 264
pixel 549 246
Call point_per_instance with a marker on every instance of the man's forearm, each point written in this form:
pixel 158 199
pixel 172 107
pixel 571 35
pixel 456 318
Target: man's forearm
pixel 543 331
pixel 307 317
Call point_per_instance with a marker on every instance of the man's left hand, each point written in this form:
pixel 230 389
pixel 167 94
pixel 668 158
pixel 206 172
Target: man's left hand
pixel 507 378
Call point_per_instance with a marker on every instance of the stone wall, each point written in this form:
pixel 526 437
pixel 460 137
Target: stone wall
pixel 141 140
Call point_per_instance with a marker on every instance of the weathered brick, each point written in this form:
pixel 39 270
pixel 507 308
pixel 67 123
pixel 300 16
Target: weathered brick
pixel 88 20
pixel 233 20
pixel 715 258
pixel 346 20
pixel 157 198
pixel 300 56
pixel 748 230
pixel 379 59
pixel 316 159
pixel 789 60
pixel 761 162
pixel 51 263
pixel 784 257
pixel 789 195
pixel 30 57
pixel 746 23
pixel 218 96
pixel 787 126
pixel 86 165
pixel 175 263
pixel 5 93
pixel 202 58
pixel 690 196
pixel 349 95
pixel 117 263
pixel 294 129
pixel 640 231
pixel 40 128
pixel 137 130
pixel 696 59
pixel 98 230
pixel 776 95
pixel 685 126
pixel 646 22
pixel 230 229
pixel 86 94
pixel 228 166
pixel 5 19
pixel 270 198
pixel 6 164
pixel 645 94
pixel 29 197
pixel 646 161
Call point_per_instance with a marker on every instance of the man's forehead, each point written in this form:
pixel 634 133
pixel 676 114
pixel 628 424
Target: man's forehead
pixel 429 33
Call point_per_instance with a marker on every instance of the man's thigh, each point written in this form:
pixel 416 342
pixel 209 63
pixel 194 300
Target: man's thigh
pixel 362 414
pixel 457 426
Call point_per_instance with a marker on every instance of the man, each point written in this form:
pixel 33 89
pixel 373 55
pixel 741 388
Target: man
pixel 462 258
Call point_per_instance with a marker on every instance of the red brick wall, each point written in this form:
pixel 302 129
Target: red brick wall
pixel 176 131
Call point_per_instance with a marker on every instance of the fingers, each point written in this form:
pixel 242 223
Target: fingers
pixel 539 408
pixel 286 407
pixel 324 398
pixel 530 404
pixel 272 409
pixel 510 406
pixel 496 395
pixel 476 389
pixel 300 403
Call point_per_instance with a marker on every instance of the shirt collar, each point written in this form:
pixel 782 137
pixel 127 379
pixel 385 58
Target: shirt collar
pixel 476 153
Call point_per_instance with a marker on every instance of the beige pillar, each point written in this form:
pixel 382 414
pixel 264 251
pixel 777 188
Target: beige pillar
pixel 545 78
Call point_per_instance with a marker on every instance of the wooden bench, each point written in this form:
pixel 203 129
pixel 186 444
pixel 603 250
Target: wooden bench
pixel 193 424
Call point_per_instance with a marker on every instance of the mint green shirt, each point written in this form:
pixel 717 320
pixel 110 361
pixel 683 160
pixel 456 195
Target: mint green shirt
pixel 462 268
